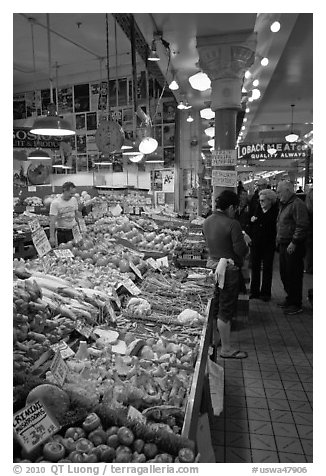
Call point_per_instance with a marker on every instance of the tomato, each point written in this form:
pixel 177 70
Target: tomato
pixel 97 436
pixel 125 436
pixel 53 451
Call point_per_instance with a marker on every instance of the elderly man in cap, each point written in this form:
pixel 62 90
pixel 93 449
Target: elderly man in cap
pixel 63 215
pixel 292 228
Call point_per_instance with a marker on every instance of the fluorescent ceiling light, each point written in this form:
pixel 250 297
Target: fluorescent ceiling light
pixel 200 81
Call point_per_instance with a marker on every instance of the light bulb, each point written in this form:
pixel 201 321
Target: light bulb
pixel 243 90
pixel 190 118
pixel 245 119
pixel 247 109
pixel 255 94
pixel 148 145
pixel 275 27
pixel 174 85
pixel 247 74
pixel 264 61
pixel 207 113
pixel 243 128
pixel 200 81
pixel 210 131
pixel 255 83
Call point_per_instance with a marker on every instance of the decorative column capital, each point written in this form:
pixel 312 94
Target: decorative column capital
pixel 225 58
pixel 227 55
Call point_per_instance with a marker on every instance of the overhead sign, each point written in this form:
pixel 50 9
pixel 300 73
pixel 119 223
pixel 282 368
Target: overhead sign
pixel 284 150
pixel 224 157
pixel 224 178
pixel 22 137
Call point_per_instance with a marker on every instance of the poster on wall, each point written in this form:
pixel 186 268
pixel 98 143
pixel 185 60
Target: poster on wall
pixel 118 92
pixel 33 103
pixel 102 96
pixel 94 96
pixel 65 100
pixel 81 97
pixel 156 180
pixel 160 198
pixel 80 122
pixel 168 180
pixel 90 143
pixel 157 134
pixel 169 111
pixel 91 121
pixel 19 106
pixel 81 143
pixel 168 157
pixel 168 135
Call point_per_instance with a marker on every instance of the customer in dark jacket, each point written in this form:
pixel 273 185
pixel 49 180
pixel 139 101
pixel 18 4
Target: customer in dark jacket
pixel 292 227
pixel 263 233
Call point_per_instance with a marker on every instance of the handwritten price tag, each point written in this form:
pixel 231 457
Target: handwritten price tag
pixel 63 253
pixel 64 348
pixel 58 368
pixel 76 233
pixel 83 328
pixel 135 270
pixel 41 242
pixel 32 425
pixel 134 414
pixel 152 263
pixel 34 225
pixel 163 262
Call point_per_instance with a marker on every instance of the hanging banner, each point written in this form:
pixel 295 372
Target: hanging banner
pixel 224 178
pixel 284 150
pixel 224 157
pixel 167 180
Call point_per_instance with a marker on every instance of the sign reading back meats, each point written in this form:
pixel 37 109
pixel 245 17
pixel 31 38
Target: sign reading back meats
pixel 284 150
pixel 22 137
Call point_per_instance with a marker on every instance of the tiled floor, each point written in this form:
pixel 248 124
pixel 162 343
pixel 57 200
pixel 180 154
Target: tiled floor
pixel 267 416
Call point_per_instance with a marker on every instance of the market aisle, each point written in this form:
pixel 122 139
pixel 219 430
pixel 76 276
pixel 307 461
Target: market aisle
pixel 267 415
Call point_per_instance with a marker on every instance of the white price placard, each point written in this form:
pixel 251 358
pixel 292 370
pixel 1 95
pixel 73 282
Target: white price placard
pixel 58 368
pixel 83 328
pixel 33 425
pixel 163 262
pixel 116 210
pixel 224 178
pixel 224 157
pixel 134 268
pixel 30 208
pixel 63 253
pixel 41 242
pixel 34 225
pixel 135 414
pixel 64 348
pixel 76 233
pixel 152 263
pixel 131 287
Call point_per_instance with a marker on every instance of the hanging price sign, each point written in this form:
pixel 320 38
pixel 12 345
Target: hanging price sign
pixel 224 178
pixel 33 425
pixel 63 253
pixel 83 328
pixel 58 368
pixel 152 263
pixel 130 287
pixel 41 242
pixel 76 233
pixel 111 310
pixel 134 414
pixel 224 157
pixel 64 348
pixel 135 270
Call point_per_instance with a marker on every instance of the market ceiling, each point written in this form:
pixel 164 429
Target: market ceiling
pixel 78 44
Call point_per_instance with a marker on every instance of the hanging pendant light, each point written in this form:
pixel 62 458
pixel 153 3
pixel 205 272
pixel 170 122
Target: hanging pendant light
pixel 210 131
pixel 38 154
pixel 207 113
pixel 174 86
pixel 190 118
pixel 200 81
pixel 272 149
pixel 292 137
pixel 153 56
pixel 52 124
